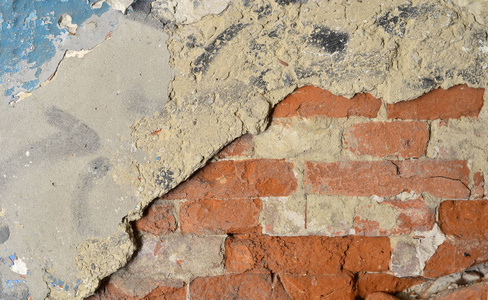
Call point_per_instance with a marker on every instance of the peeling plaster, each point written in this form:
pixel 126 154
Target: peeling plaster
pixel 232 63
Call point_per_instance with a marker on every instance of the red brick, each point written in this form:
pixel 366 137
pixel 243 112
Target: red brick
pixel 238 179
pixel 369 283
pixel 477 291
pixel 306 254
pixel 241 146
pixel 242 286
pixel 464 219
pixel 379 139
pixel 212 216
pixel 312 101
pixel 238 255
pixel 444 179
pixel 111 292
pixel 167 293
pixel 381 296
pixel 453 103
pixel 158 219
pixel 352 178
pixel 340 286
pixel 368 254
pixel 413 215
pixel 478 191
pixel 456 256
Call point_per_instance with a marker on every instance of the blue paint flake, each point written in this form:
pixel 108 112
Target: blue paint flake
pixel 30 85
pixel 29 34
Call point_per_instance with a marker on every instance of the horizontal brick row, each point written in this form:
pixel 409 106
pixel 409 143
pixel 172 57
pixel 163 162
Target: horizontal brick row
pixel 444 179
pixel 279 286
pixel 225 196
pixel 313 101
pixel 306 254
pixel 453 103
pixel 238 179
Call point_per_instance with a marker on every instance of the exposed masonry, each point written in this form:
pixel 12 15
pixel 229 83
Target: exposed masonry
pixel 315 205
pixel 232 68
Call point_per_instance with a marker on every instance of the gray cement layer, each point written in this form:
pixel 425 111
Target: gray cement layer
pixel 60 150
pixel 75 173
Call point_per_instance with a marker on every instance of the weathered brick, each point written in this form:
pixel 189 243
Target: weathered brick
pixel 405 261
pixel 369 283
pixel 306 254
pixel 238 179
pixel 312 101
pixel 242 286
pixel 283 215
pixel 478 190
pixel 167 293
pixel 178 257
pixel 131 282
pixel 368 254
pixel 112 292
pixel 242 146
pixel 444 179
pixel 158 219
pixel 330 215
pixel 454 103
pixel 379 139
pixel 352 178
pixel 210 216
pixel 455 256
pixel 464 219
pixel 381 296
pixel 340 286
pixel 394 217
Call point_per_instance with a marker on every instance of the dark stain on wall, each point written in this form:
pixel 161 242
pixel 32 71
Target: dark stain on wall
pixel 394 22
pixel 202 62
pixel 4 232
pixel 328 40
pixel 74 138
pixel 263 11
pixel 164 178
pixel 96 169
pixel 287 2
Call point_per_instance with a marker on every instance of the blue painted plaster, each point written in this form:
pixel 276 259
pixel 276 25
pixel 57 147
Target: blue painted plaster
pixel 29 35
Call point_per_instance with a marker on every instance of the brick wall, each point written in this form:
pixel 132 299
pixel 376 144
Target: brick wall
pixel 338 199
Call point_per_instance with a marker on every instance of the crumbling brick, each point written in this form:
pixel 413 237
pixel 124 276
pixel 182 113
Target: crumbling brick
pixel 313 101
pixel 454 103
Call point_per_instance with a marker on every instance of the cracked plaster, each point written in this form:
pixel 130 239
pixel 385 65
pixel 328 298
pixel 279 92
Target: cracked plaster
pixel 230 69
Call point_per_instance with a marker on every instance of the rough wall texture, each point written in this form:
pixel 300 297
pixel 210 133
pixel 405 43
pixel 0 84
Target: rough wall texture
pixel 235 60
pixel 336 199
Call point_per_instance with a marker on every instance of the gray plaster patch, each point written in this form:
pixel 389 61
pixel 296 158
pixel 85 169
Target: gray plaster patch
pixel 63 203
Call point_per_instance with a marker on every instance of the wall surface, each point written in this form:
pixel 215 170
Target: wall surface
pixel 337 198
pixel 230 63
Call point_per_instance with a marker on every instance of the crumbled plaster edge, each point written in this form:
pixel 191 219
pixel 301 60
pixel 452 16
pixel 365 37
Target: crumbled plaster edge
pixel 120 246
